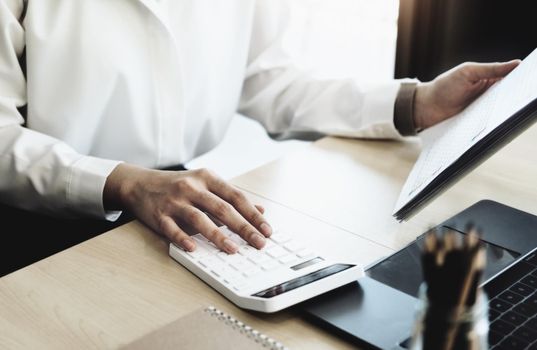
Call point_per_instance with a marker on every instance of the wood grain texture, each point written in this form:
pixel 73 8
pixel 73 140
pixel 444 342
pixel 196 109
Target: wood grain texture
pixel 114 288
pixel 354 185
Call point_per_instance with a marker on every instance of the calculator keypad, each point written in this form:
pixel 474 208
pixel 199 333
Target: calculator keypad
pixel 237 270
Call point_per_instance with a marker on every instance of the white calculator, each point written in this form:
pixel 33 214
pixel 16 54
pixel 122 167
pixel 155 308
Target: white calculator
pixel 285 272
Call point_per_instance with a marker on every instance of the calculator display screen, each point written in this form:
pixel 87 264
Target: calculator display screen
pixel 302 280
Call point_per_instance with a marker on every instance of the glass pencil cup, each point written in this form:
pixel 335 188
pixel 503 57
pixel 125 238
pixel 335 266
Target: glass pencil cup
pixel 434 325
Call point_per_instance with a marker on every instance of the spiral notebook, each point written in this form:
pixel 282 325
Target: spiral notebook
pixel 206 328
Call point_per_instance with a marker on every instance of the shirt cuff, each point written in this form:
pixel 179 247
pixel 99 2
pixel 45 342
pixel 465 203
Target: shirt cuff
pixel 377 111
pixel 403 114
pixel 86 186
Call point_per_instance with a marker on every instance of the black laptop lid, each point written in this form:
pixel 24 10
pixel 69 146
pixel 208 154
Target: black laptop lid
pixel 378 311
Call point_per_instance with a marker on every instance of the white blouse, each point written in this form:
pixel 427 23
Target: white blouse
pixel 155 84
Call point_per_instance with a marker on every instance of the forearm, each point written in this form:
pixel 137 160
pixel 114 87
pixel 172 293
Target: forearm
pixel 43 174
pixel 285 100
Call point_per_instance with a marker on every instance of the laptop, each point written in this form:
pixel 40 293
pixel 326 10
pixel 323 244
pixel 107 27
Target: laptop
pixel 378 310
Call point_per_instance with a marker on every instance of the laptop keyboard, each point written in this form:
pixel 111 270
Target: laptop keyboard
pixel 513 306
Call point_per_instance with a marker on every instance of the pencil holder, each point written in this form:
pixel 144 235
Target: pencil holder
pixel 436 324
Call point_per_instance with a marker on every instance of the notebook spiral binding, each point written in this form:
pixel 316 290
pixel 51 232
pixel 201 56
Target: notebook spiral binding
pixel 248 331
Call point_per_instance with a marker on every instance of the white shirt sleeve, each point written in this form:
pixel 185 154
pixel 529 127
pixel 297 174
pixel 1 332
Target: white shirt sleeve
pixel 283 98
pixel 38 172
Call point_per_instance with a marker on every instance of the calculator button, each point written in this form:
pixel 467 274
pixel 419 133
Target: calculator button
pixel 247 250
pixel 225 230
pixel 212 247
pixel 293 246
pixel 249 272
pixel 222 255
pixel 226 271
pixel 199 253
pixel 280 238
pixel 210 262
pixel 241 286
pixel 259 259
pixel 234 257
pixel 237 239
pixel 269 243
pixel 209 247
pixel 270 265
pixel 287 259
pixel 233 278
pixel 200 237
pixel 250 265
pixel 305 253
pixel 241 265
pixel 276 252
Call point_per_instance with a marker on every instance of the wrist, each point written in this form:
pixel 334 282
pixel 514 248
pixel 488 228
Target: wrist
pixel 419 106
pixel 427 112
pixel 120 186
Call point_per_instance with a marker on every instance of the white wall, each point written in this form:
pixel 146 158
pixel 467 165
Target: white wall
pixel 335 38
pixel 346 38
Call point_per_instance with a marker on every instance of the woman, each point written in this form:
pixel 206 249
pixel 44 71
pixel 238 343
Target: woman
pixel 114 90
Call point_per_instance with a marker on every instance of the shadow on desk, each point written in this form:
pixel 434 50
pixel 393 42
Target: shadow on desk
pixel 27 237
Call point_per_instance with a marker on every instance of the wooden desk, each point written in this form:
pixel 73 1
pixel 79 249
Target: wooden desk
pixel 116 287
pixel 354 185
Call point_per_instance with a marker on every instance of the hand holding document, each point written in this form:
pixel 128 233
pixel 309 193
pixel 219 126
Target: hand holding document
pixel 455 146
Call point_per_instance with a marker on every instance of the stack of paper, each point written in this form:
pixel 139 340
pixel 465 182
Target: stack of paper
pixel 457 145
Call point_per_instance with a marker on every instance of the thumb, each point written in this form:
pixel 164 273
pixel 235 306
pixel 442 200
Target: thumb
pixel 479 71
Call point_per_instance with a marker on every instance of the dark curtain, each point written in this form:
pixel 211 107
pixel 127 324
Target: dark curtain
pixel 435 35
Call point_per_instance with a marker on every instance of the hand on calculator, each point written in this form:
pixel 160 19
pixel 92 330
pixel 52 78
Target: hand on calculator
pixel 163 199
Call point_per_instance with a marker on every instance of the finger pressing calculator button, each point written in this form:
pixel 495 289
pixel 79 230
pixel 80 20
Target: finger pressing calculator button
pixel 208 247
pixel 200 251
pixel 200 237
pixel 247 250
